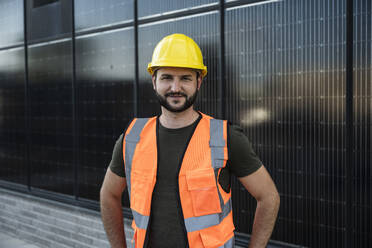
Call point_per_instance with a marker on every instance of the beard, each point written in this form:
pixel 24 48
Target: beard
pixel 188 102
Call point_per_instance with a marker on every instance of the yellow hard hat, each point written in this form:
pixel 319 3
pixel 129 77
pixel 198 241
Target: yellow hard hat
pixel 177 50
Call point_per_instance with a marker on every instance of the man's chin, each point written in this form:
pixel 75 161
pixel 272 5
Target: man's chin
pixel 175 109
pixel 176 106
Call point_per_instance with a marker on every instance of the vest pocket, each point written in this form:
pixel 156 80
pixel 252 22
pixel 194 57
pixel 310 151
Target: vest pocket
pixel 141 192
pixel 216 237
pixel 209 240
pixel 203 190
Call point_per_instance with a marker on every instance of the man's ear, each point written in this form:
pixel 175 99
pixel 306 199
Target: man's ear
pixel 200 80
pixel 153 78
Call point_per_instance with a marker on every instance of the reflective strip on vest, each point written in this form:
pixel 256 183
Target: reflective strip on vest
pixel 141 220
pixel 201 222
pixel 216 143
pixel 229 243
pixel 131 140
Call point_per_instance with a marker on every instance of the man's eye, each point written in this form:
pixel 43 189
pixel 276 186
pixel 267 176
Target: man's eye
pixel 186 79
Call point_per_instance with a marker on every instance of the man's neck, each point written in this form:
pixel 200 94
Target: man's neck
pixel 174 120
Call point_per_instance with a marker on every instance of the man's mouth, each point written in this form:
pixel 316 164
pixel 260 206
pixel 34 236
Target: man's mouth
pixel 175 95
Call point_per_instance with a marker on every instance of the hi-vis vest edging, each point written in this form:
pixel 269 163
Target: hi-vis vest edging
pixel 206 207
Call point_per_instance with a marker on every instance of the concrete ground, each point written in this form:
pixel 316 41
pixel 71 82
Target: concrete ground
pixel 7 241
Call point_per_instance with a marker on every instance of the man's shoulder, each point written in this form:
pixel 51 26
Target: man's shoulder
pixel 237 136
pixel 236 129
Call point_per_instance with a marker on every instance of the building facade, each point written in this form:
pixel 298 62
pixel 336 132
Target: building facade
pixel 295 74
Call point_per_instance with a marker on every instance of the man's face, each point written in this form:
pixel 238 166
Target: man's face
pixel 176 88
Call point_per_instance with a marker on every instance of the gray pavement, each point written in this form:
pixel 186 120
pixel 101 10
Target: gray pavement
pixel 7 241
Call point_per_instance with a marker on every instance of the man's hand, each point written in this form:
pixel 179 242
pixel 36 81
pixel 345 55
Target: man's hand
pixel 260 185
pixel 111 209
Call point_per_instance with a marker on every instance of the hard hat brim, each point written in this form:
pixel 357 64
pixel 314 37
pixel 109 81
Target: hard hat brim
pixel 151 68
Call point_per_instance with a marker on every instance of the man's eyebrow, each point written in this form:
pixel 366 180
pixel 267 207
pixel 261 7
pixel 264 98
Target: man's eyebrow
pixel 186 76
pixel 170 75
pixel 166 75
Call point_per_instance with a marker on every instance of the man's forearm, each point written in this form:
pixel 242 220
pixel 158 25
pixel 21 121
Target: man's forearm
pixel 264 221
pixel 112 218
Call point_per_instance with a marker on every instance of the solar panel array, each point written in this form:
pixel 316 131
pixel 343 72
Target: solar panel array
pixel 66 99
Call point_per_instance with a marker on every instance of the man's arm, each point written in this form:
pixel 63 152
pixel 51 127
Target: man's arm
pixel 111 208
pixel 260 185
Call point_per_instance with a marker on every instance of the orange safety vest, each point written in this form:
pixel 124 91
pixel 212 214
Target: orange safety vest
pixel 206 207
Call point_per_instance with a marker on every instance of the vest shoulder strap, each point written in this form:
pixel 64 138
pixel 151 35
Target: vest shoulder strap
pixel 217 143
pixel 131 140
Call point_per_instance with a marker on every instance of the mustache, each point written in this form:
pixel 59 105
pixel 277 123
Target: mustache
pixel 175 94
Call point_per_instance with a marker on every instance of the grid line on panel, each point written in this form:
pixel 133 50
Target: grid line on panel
pixel 136 69
pixel 349 119
pixel 361 172
pixel 27 98
pixel 75 130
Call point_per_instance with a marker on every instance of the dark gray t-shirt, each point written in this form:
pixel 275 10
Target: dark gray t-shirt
pixel 166 228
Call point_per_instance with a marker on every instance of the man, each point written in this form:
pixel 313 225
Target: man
pixel 177 166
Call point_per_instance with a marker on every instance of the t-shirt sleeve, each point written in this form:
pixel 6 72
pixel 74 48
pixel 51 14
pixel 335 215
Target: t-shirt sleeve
pixel 243 161
pixel 117 161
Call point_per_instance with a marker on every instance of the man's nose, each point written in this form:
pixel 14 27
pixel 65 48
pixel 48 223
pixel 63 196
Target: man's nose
pixel 176 85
